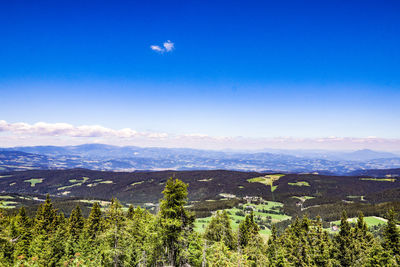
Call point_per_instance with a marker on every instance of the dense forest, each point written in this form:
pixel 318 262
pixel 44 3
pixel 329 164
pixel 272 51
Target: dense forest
pixel 134 237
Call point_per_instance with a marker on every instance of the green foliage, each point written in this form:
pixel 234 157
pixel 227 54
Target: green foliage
pixel 23 234
pixel 138 238
pixel 219 255
pixel 176 223
pixel 391 235
pixel 248 229
pixel 219 230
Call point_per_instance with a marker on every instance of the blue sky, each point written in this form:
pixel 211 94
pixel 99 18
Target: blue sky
pixel 256 69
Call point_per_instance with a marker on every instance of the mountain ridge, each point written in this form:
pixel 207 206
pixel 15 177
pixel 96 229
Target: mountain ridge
pixel 131 158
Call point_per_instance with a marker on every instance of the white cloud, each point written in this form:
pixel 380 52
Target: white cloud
pixel 42 133
pixel 168 46
pixel 65 129
pixel 156 48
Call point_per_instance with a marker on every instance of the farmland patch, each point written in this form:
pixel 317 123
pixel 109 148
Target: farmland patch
pixel 34 181
pixel 300 183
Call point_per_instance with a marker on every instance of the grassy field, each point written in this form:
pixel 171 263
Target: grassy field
pixel 100 181
pixel 137 183
pixel 303 198
pixel 6 197
pixel 300 183
pixel 205 180
pixel 75 182
pixel 69 186
pixel 106 182
pixel 356 197
pixel 370 220
pixel 7 204
pixel 263 211
pixel 34 181
pixel 267 180
pixel 84 179
pixel 379 179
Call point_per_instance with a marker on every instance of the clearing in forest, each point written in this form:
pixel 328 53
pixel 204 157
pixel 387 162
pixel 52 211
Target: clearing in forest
pixel 34 181
pixel 300 183
pixel 303 198
pixel 8 204
pixel 74 182
pixel 379 179
pixel 265 215
pixel 369 220
pixel 267 180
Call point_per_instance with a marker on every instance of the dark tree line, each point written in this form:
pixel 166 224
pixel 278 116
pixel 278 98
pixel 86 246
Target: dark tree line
pixel 135 237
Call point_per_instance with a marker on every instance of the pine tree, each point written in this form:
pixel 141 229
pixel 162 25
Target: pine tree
pixel 75 224
pixel 175 221
pixel 378 256
pixel 74 229
pixel 343 242
pixel 361 226
pixel 320 244
pixel 248 229
pixel 56 247
pixel 391 235
pixel 139 235
pixel 6 249
pixel 45 221
pixel 255 251
pixel 23 239
pixel 94 223
pixel 131 212
pixel 219 255
pixel 89 244
pixel 113 239
pixel 220 229
pixel 45 225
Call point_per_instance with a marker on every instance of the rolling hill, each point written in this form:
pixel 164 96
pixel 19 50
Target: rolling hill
pixel 317 194
pixel 114 158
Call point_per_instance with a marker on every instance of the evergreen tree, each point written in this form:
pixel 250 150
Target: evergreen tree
pixel 45 224
pixel 112 239
pixel 23 239
pixel 57 248
pixel 248 229
pixel 219 255
pixel 75 224
pixel 138 231
pixel 391 235
pixel 272 245
pixel 378 256
pixel 94 223
pixel 363 241
pixel 320 245
pixel 6 249
pixel 131 212
pixel 255 251
pixel 74 228
pixel 344 242
pixel 219 229
pixel 45 220
pixel 175 221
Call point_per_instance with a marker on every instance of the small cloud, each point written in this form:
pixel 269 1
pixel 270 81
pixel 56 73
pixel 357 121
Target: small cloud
pixel 156 48
pixel 168 46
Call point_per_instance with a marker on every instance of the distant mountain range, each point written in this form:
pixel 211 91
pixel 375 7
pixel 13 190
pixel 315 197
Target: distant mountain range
pixel 130 158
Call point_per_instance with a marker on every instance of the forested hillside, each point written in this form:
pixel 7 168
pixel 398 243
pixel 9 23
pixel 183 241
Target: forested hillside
pixel 134 237
pixel 300 194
